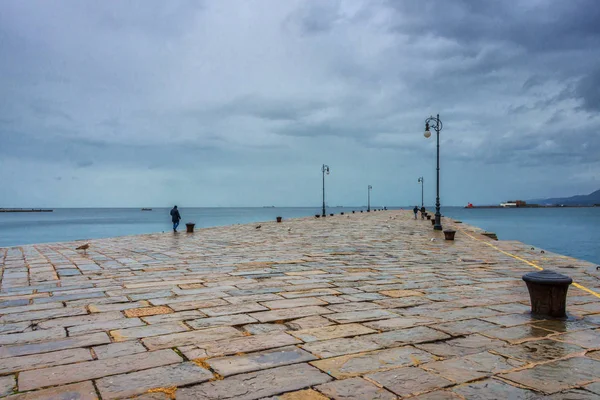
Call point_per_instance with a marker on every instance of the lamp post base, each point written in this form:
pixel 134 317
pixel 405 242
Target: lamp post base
pixel 437 227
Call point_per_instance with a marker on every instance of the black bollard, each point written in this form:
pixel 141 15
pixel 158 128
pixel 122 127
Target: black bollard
pixel 548 293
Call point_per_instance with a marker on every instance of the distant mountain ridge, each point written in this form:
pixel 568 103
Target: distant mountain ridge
pixel 579 200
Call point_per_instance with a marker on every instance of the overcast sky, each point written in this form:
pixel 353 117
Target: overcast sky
pixel 239 103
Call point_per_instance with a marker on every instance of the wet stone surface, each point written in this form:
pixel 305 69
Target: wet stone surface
pixel 336 308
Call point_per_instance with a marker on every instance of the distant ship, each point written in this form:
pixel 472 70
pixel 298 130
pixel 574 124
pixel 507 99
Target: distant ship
pixel 146 209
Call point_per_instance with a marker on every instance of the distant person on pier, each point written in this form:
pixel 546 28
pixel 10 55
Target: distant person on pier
pixel 416 210
pixel 175 217
pixel 423 212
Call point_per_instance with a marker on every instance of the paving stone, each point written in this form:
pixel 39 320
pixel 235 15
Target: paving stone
pixel 573 394
pixel 192 352
pixel 77 391
pixel 403 302
pixel 409 380
pixel 7 385
pixel 172 317
pixel 105 326
pixel 466 327
pixel 118 349
pixel 190 338
pixel 557 375
pixel 81 320
pixel 341 346
pixel 518 334
pixel 360 316
pixel 232 365
pixel 439 395
pixel 59 375
pixel 419 334
pixel 255 385
pixel 511 319
pixel 461 346
pixel 253 298
pixel 565 326
pixel 147 311
pixel 472 367
pixel 308 323
pixel 69 297
pixel 306 394
pixel 145 331
pixel 225 320
pixel 46 347
pixel 293 303
pixel 43 314
pixel 119 386
pixel 16 364
pixel 97 308
pixel 247 344
pixel 309 293
pixel 358 364
pixel 354 306
pixel 17 327
pixel 154 396
pixel 398 323
pixel 540 350
pixel 587 339
pixel 331 332
pixel 33 336
pixel 233 309
pixel 401 293
pixel 354 389
pixel 193 304
pixel 31 307
pixel 284 314
pixel 491 389
pixel 593 387
pixel 259 329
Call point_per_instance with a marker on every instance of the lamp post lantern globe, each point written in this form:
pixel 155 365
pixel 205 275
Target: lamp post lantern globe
pixel 325 170
pixel 437 126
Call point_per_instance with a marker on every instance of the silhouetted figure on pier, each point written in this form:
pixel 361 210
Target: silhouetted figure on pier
pixel 416 210
pixel 175 217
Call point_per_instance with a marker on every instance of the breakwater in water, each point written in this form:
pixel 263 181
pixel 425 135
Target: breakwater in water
pixel 309 307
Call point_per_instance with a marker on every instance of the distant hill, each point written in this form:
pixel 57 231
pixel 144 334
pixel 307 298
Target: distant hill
pixel 580 200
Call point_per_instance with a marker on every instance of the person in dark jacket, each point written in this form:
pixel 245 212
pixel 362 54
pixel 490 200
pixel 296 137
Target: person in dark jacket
pixel 423 212
pixel 416 210
pixel 175 217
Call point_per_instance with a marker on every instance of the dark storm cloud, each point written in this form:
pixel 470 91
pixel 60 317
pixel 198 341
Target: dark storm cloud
pixel 588 90
pixel 236 94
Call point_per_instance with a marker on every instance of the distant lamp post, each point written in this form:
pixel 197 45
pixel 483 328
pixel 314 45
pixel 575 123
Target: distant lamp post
pixel 369 198
pixel 422 182
pixel 325 170
pixel 437 126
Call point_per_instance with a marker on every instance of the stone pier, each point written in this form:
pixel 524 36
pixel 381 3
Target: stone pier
pixel 360 306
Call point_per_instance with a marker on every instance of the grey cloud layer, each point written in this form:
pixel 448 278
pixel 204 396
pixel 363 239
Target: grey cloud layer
pixel 275 88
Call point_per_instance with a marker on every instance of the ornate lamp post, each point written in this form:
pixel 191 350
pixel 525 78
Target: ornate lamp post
pixel 325 170
pixel 437 126
pixel 369 198
pixel 422 182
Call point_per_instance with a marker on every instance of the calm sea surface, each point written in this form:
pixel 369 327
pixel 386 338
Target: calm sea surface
pixel 570 231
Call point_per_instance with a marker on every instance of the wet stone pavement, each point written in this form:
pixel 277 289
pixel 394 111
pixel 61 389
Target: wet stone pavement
pixel 359 306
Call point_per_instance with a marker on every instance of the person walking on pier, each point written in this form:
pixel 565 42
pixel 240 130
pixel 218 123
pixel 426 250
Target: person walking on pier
pixel 422 212
pixel 416 210
pixel 175 217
